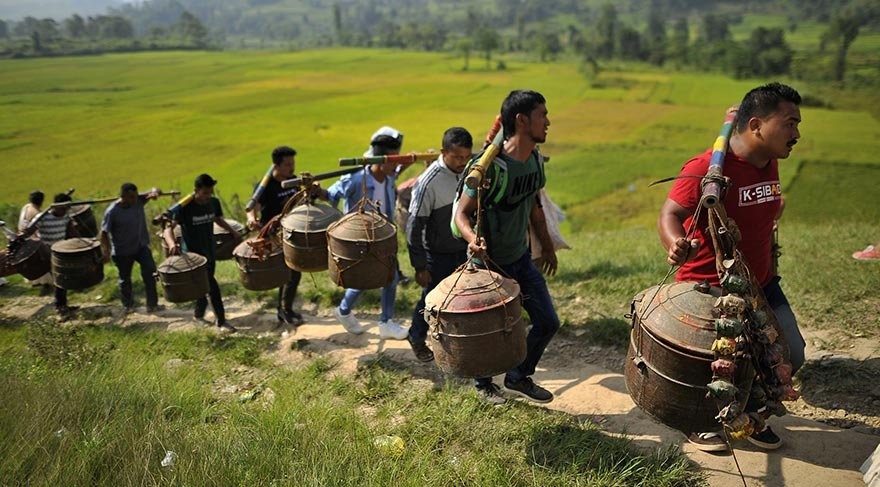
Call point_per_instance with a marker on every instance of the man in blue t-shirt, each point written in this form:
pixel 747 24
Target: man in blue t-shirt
pixel 124 233
pixel 197 221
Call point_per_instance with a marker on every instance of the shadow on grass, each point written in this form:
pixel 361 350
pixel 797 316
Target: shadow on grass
pixel 584 449
pixel 600 270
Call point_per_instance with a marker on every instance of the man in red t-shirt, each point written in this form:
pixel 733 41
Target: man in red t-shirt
pixel 766 131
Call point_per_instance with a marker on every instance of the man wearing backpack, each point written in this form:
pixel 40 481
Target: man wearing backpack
pixel 517 174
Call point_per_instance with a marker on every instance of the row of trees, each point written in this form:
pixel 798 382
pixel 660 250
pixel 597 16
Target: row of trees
pixel 654 31
pixel 75 33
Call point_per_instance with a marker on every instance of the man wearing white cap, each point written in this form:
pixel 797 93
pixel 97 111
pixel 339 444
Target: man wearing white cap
pixel 381 189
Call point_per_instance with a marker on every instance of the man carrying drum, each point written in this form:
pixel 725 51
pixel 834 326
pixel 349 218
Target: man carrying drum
pixel 508 209
pixel 433 251
pixel 28 212
pixel 766 131
pixel 124 233
pixel 197 221
pixel 268 205
pixel 380 188
pixel 54 226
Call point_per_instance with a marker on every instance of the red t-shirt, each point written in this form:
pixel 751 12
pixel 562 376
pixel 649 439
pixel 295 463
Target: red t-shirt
pixel 752 201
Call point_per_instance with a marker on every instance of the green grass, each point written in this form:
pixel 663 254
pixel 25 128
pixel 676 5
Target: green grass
pixel 110 419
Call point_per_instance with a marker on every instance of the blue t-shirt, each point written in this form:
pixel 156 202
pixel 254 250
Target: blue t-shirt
pixel 127 227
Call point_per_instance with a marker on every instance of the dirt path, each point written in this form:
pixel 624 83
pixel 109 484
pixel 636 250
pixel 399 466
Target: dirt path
pixel 587 382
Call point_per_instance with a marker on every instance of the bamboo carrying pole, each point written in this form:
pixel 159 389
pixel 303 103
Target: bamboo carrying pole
pixel 405 159
pixel 475 176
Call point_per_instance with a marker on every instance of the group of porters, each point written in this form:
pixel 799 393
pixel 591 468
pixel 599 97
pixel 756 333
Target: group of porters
pixel 686 339
pixel 476 316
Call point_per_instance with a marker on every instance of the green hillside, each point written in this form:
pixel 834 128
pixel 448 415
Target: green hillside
pixel 160 119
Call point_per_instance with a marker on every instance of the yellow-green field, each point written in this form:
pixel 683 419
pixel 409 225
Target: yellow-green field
pixel 162 118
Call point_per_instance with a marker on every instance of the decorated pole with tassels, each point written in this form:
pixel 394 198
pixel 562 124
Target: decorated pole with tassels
pixel 712 184
pixel 258 191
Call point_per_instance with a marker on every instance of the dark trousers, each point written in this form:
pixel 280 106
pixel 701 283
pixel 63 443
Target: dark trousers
pixel 125 263
pixel 440 266
pixel 539 306
pixel 60 297
pixel 214 293
pixel 287 292
pixel 796 344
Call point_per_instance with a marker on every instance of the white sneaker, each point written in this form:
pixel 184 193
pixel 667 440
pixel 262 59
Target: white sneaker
pixel 349 322
pixel 390 329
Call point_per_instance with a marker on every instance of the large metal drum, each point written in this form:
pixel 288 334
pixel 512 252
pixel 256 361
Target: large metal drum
pixel 260 275
pixel 225 241
pixel 304 232
pixel 77 263
pixel 31 259
pixel 84 217
pixel 476 323
pixel 362 250
pixel 668 362
pixel 184 277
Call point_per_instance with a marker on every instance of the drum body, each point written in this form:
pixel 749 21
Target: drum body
pixel 669 360
pixel 77 263
pixel 84 217
pixel 476 325
pixel 362 250
pixel 184 277
pixel 304 232
pixel 260 275
pixel 225 241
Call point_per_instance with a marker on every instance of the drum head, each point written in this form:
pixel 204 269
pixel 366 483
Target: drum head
pixel 77 210
pixel 245 251
pixel 182 263
pixel 75 245
pixel 26 249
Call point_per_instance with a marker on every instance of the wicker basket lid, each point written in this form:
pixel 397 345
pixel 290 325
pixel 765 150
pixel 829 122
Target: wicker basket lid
pixel 75 245
pixel 182 263
pixel 362 226
pixel 472 290
pixel 310 218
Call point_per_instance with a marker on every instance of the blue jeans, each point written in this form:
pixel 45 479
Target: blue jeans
pixel 796 344
pixel 389 294
pixel 539 306
pixel 125 263
pixel 440 266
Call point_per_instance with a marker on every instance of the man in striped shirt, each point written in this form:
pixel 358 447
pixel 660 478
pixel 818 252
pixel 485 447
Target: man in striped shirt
pixel 54 226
